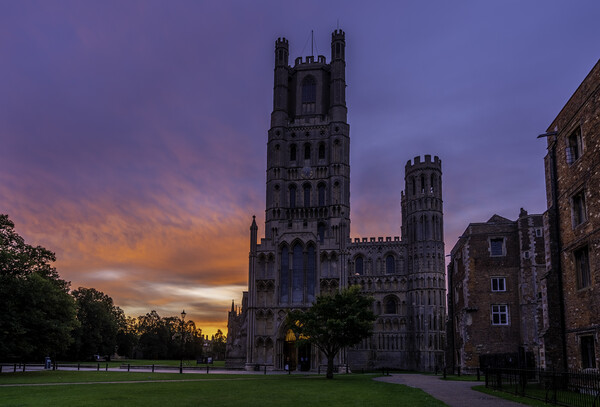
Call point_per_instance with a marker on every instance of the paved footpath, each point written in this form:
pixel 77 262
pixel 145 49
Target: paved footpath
pixel 453 393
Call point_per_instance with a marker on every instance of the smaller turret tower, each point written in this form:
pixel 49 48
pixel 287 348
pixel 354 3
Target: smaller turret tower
pixel 280 90
pixel 338 111
pixel 422 229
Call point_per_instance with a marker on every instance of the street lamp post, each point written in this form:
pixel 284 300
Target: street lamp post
pixel 182 340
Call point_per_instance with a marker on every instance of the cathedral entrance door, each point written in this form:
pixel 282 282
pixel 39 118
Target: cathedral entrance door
pixel 304 357
pixel 290 351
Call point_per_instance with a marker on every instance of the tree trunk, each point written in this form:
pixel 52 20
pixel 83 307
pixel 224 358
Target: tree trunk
pixel 330 366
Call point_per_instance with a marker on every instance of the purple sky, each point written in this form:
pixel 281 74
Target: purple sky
pixel 133 134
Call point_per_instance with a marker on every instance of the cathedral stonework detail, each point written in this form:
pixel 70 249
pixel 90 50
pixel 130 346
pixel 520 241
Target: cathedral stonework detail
pixel 307 250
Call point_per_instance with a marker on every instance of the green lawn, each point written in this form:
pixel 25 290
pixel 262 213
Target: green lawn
pixel 219 390
pixel 145 362
pixel 511 397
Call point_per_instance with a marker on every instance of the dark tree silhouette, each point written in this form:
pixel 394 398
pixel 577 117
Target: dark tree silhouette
pixel 334 322
pixel 37 312
pixel 100 321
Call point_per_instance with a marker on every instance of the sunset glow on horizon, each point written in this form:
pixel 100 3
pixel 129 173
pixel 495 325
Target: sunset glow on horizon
pixel 134 133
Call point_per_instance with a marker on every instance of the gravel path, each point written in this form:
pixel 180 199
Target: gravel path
pixel 453 393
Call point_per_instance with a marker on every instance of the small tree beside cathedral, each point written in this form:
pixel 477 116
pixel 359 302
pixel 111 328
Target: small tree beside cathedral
pixel 334 322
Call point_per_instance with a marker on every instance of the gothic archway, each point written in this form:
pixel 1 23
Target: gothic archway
pixel 290 357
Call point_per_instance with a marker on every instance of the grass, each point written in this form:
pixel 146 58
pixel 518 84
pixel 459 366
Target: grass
pixel 221 390
pixel 64 376
pixel 145 362
pixel 536 395
pixel 511 397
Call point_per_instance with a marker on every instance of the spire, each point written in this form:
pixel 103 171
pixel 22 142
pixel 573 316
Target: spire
pixel 253 235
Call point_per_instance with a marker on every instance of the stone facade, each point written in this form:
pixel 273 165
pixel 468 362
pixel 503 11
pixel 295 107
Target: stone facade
pixel 573 225
pixel 307 250
pixel 494 303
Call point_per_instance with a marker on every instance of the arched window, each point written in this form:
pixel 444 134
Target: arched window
pixel 359 266
pixel 307 151
pixel 307 189
pixel 321 194
pixel 390 305
pixel 297 273
pixel 322 151
pixel 309 95
pixel 293 152
pixel 321 232
pixel 336 192
pixel 276 157
pixel 309 90
pixel 284 279
pixel 390 264
pixel 276 195
pixel 292 196
pixel 311 274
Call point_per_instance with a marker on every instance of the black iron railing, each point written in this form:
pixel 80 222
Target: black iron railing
pixel 572 388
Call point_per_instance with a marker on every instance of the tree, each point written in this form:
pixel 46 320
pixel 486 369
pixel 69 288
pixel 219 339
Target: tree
pixel 99 322
pixel 219 344
pixel 161 338
pixel 127 337
pixel 156 337
pixel 334 322
pixel 38 314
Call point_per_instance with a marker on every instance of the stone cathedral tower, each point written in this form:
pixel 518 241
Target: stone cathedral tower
pixel 307 250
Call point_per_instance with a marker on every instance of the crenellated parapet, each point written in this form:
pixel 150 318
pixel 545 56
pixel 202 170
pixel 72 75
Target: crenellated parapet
pixel 309 61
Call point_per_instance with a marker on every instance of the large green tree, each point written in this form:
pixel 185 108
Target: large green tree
pixel 334 322
pixel 99 323
pixel 37 313
pixel 168 337
pixel 219 344
pixel 127 338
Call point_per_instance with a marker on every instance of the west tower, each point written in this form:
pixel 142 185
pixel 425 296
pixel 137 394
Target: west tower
pixel 306 249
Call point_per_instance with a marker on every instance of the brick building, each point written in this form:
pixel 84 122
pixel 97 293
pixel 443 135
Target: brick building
pixel 573 227
pixel 494 309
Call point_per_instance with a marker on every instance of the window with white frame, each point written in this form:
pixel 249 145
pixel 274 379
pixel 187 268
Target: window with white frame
pixel 500 314
pixel 498 284
pixel 497 247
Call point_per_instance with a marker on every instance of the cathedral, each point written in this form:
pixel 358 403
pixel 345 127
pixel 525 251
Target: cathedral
pixel 307 250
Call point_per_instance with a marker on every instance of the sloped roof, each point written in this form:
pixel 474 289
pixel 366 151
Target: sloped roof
pixel 499 219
